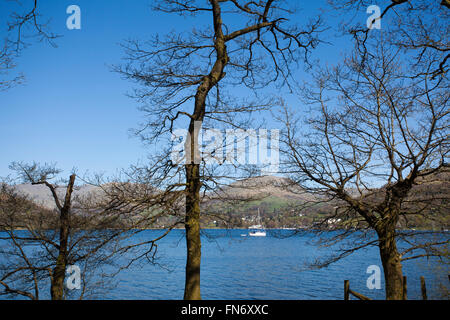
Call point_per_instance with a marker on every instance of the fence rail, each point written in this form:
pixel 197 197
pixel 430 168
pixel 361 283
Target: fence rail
pixel 423 289
pixel 347 292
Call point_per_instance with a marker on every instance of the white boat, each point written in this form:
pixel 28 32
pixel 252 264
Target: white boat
pixel 257 233
pixel 257 230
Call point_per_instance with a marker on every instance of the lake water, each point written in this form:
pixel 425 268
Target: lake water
pixel 236 267
pixel 272 267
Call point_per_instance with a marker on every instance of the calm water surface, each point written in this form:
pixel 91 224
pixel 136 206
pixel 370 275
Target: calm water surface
pixel 236 267
pixel 272 267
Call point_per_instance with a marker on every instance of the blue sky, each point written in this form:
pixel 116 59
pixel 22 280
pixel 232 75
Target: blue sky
pixel 72 109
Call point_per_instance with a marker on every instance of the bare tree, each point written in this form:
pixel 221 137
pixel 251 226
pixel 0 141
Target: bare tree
pixel 185 77
pixel 42 175
pixel 16 264
pixel 39 244
pixel 376 132
pixel 23 22
pixel 419 27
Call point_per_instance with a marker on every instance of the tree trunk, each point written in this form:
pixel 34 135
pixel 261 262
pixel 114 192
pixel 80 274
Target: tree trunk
pixel 193 179
pixel 392 266
pixel 193 242
pixel 58 276
pixel 59 272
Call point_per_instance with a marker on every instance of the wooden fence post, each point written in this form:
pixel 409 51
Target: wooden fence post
pixel 346 289
pixel 423 288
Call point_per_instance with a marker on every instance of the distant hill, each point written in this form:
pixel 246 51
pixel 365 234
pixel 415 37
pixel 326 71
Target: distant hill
pixel 265 186
pixel 278 199
pixel 42 195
